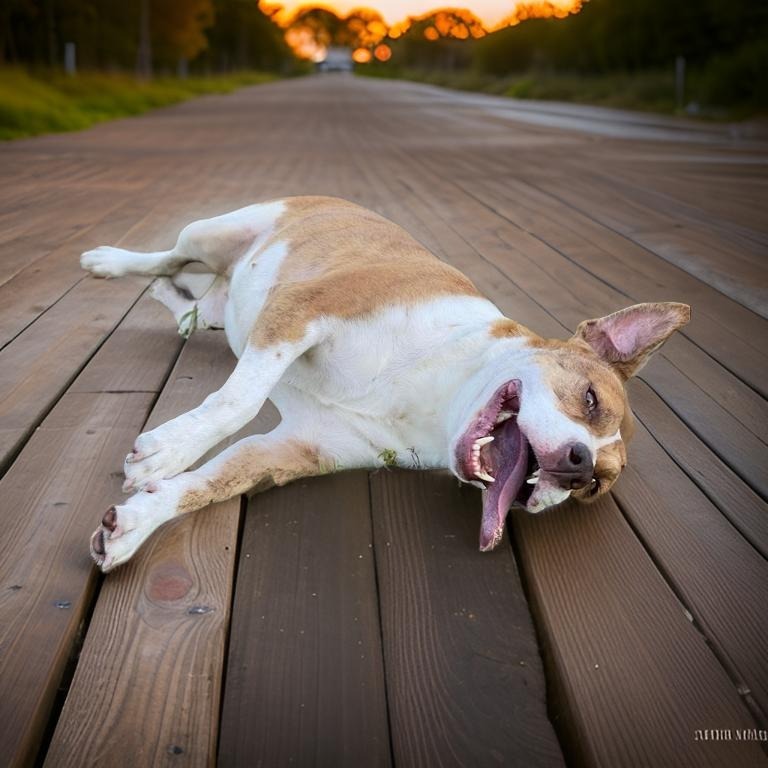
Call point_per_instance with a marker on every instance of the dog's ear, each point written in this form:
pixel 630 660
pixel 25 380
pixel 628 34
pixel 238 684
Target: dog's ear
pixel 627 338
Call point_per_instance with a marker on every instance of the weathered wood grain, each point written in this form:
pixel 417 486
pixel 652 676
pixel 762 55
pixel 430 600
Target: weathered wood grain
pixel 720 577
pixel 50 502
pixel 463 670
pixel 736 500
pixel 148 683
pixel 40 363
pixel 305 679
pixel 631 678
pixel 727 330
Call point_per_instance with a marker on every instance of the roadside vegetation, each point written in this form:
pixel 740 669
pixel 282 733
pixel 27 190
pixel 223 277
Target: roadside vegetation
pixel 51 102
pixel 68 64
pixel 646 91
pixel 699 58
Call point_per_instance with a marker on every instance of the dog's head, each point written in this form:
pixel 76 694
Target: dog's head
pixel 551 417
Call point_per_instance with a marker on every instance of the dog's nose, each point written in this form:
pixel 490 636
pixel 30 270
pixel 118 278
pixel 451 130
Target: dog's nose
pixel 574 470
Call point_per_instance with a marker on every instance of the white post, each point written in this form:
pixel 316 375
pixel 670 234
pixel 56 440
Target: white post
pixel 680 83
pixel 70 61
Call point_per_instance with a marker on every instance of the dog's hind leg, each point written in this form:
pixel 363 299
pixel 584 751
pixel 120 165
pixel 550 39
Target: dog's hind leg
pixel 215 242
pixel 192 311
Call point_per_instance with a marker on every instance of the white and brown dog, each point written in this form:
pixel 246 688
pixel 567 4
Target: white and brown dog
pixel 375 353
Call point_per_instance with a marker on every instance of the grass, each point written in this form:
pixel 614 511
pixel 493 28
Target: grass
pixel 645 91
pixel 31 104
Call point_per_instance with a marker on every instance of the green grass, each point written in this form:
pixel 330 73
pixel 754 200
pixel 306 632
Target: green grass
pixel 52 102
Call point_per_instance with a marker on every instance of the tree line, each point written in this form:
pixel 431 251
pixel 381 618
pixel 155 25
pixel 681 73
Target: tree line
pixel 610 35
pixel 146 35
pixel 723 42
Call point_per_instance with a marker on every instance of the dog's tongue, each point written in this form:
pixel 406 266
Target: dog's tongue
pixel 509 454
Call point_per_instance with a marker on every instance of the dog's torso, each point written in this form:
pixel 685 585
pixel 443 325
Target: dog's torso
pixel 401 329
pixel 375 353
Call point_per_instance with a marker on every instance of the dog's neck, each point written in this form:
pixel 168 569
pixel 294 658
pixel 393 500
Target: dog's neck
pixel 488 362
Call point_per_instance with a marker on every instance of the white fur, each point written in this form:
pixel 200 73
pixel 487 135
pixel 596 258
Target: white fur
pixel 396 386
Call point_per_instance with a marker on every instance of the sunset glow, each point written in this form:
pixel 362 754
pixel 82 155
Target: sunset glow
pixel 492 13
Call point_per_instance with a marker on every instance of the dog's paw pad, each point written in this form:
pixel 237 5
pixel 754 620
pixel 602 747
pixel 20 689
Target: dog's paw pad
pixel 109 521
pixel 98 545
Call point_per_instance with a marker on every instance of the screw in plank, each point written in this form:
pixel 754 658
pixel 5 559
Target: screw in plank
pixel 198 609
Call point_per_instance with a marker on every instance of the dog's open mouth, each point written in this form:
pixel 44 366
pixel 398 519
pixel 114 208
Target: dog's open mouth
pixel 495 452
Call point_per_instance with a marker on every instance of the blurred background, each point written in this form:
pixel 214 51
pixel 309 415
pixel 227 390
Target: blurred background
pixel 65 64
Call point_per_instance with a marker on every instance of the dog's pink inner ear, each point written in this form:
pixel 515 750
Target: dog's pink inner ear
pixel 627 338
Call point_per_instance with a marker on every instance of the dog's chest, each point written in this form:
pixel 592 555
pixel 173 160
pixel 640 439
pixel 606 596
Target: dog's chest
pixel 400 367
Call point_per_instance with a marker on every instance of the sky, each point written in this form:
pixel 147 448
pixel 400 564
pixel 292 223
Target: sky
pixel 490 12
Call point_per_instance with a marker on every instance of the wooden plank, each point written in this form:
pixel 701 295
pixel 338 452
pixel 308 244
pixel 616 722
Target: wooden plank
pixel 305 683
pixel 727 196
pixel 733 334
pixel 39 364
pixel 632 680
pixel 64 211
pixel 45 279
pixel 464 676
pixel 744 508
pixel 51 498
pixel 138 355
pixel 50 501
pixel 719 576
pixel 731 270
pixel 148 681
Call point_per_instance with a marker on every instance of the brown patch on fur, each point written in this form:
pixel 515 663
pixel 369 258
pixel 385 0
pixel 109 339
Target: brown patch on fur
pixel 508 329
pixel 627 423
pixel 346 261
pixel 609 462
pixel 571 369
pixel 255 467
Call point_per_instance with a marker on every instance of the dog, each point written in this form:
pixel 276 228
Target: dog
pixel 375 353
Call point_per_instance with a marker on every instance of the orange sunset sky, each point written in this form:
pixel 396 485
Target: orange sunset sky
pixel 490 12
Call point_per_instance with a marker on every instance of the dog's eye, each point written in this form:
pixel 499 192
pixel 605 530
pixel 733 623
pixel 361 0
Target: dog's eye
pixel 594 487
pixel 591 399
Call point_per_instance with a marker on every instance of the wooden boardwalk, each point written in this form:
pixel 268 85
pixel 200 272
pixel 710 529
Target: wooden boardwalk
pixel 350 620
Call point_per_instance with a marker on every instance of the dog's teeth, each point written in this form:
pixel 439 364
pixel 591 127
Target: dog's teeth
pixel 503 416
pixel 485 476
pixel 484 440
pixel 532 480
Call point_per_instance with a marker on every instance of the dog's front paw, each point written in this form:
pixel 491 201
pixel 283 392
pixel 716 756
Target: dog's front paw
pixel 156 455
pixel 124 528
pixel 105 261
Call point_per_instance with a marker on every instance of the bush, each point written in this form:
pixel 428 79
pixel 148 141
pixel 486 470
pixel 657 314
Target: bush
pixel 739 78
